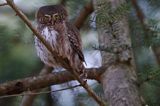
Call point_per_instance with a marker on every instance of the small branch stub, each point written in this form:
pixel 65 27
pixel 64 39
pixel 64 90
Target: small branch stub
pixel 3 4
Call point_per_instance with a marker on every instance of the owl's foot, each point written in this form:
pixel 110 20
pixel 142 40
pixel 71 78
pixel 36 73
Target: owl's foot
pixel 83 78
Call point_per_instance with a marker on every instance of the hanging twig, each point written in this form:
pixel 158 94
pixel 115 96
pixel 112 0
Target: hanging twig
pixel 39 93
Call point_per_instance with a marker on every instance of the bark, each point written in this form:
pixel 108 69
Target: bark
pixel 119 88
pixel 38 82
pixel 119 79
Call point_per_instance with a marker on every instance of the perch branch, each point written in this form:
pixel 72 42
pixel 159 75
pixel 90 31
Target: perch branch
pixel 60 59
pixel 38 82
pixel 88 8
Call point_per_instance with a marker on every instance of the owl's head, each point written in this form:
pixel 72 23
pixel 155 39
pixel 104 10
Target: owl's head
pixel 52 14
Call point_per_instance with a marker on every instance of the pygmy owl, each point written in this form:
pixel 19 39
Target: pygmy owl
pixel 63 37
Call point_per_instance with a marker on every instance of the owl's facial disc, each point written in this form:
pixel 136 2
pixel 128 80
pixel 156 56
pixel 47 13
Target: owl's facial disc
pixel 51 15
pixel 53 18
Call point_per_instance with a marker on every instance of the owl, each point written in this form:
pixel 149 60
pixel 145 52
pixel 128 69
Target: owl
pixel 64 38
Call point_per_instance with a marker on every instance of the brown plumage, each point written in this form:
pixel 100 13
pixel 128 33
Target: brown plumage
pixel 62 36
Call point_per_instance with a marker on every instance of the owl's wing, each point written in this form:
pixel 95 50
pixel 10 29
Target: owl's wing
pixel 75 40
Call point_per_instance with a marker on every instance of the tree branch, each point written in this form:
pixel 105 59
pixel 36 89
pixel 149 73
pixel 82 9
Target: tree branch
pixel 85 12
pixel 60 59
pixel 3 4
pixel 42 81
pixel 141 17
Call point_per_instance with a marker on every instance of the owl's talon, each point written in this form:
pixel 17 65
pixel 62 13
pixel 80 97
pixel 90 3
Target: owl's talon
pixel 84 81
pixel 82 78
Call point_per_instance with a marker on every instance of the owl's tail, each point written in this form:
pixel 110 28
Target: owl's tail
pixel 78 66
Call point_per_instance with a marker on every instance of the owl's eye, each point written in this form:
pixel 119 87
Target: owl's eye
pixel 47 18
pixel 55 16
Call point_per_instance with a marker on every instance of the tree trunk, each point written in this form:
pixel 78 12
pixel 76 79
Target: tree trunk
pixel 119 80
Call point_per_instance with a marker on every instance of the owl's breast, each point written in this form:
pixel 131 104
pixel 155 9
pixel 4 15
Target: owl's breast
pixel 51 37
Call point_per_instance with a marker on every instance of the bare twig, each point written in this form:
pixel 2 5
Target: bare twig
pixel 38 93
pixel 3 4
pixel 60 59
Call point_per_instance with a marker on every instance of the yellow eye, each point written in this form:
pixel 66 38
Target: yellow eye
pixel 47 17
pixel 55 16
